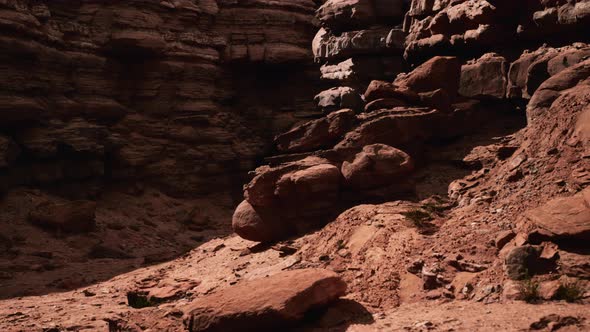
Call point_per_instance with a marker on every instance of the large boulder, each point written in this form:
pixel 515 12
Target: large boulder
pixel 484 77
pixel 270 303
pixel 385 90
pixel 528 72
pixel 287 199
pixel 342 14
pixel 260 225
pixel 563 219
pixel 316 134
pixel 531 69
pixel 377 165
pixel 440 72
pixel 400 127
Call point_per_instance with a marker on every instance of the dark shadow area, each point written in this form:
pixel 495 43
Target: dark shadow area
pixel 338 317
pixel 133 230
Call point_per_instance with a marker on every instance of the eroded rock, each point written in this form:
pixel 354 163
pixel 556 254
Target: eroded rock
pixel 484 77
pixel 268 303
pixel 316 134
pixel 377 165
pixel 562 219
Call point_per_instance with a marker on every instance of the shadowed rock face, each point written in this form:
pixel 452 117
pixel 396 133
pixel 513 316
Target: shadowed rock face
pixel 472 27
pixel 149 91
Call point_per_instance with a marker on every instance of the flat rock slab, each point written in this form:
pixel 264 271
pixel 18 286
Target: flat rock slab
pixel 564 218
pixel 267 303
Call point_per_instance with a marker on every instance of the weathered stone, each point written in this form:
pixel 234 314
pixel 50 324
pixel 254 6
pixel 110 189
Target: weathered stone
pixel 484 77
pixel 316 134
pixel 274 302
pixel 385 90
pixel 375 41
pixel 377 165
pixel 437 73
pixel 345 14
pixel 287 199
pixel 105 69
pixel 339 98
pixel 566 218
pixel 396 127
pixel 384 103
pixel 258 226
pixel 553 87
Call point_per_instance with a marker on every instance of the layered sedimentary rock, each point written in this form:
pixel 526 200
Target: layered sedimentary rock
pixel 155 92
pixel 476 27
pixel 359 41
pixel 369 155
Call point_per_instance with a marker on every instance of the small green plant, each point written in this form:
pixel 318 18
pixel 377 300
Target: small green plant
pixel 570 291
pixel 529 289
pixel 419 218
pixel 340 244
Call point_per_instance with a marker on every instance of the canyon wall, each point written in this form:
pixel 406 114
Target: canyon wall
pixel 183 95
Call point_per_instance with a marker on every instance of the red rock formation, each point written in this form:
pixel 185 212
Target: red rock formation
pixel 267 303
pixel 443 160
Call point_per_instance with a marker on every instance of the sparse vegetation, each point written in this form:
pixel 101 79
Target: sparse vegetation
pixel 570 291
pixel 418 217
pixel 529 289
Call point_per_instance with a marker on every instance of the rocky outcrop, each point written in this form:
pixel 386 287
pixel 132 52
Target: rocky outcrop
pixel 268 303
pixel 562 219
pixel 476 27
pixel 532 68
pixel 364 156
pixel 287 199
pixel 340 15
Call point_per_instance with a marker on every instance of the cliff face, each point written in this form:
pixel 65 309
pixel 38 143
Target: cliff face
pixel 183 95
